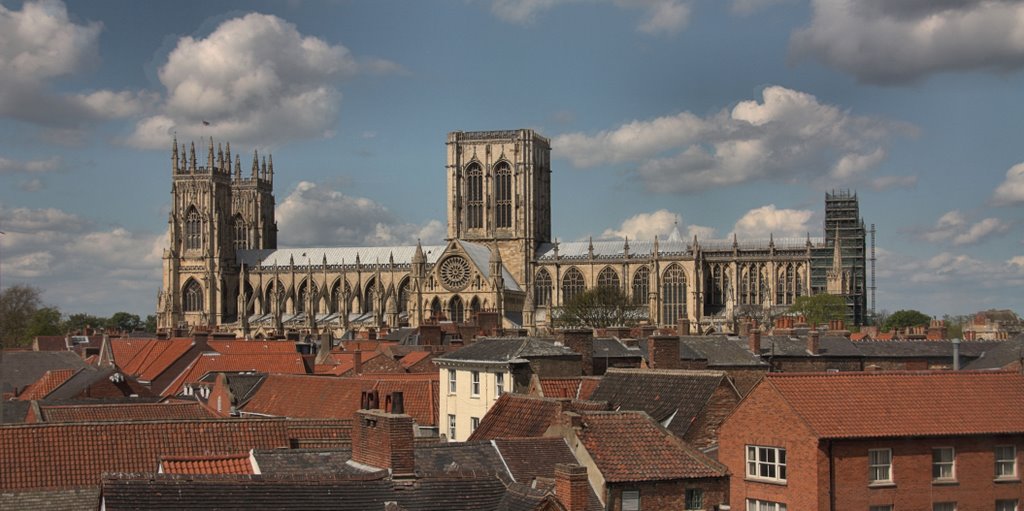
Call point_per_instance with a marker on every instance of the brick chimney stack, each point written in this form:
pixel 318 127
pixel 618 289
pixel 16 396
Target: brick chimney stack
pixel 684 327
pixel 813 342
pixel 572 487
pixel 357 362
pixel 755 341
pixel 384 440
pixel 581 341
pixel 663 351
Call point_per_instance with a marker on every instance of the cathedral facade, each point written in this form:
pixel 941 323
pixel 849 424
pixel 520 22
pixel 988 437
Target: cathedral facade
pixel 223 270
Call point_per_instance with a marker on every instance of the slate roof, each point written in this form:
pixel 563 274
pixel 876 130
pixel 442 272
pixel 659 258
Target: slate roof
pixel 86 377
pixel 47 384
pixel 74 455
pixel 237 463
pixel 942 348
pixel 74 499
pixel 508 350
pixel 896 404
pixel 262 492
pixel 306 462
pixel 19 369
pixel 669 396
pixel 124 412
pixel 718 350
pixel 14 412
pixel 630 446
pixel 613 348
pixel 466 458
pixel 517 416
pixel 999 355
pixel 785 346
pixel 530 458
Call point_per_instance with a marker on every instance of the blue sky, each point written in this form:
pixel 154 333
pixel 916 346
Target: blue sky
pixel 722 116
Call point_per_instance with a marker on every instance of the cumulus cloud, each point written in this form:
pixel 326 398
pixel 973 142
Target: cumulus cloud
pixel 769 220
pixel 8 166
pixel 899 41
pixel 256 79
pixel 316 215
pixel 953 227
pixel 660 16
pixel 886 182
pixel 1011 190
pixel 788 136
pixel 81 266
pixel 42 44
pixel 645 226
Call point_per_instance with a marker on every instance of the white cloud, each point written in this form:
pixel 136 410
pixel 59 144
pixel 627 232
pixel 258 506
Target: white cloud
pixel 789 136
pixel 255 79
pixel 31 185
pixel 898 41
pixel 1011 190
pixel 645 226
pixel 315 215
pixel 662 16
pixel 769 220
pixel 746 7
pixel 886 182
pixel 953 227
pixel 80 266
pixel 8 166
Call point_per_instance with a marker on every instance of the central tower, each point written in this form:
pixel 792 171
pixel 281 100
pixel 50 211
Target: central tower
pixel 499 192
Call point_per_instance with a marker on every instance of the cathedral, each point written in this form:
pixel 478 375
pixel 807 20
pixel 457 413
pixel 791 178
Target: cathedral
pixel 222 269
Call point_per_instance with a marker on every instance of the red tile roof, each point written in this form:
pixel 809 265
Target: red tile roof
pixel 888 404
pixel 630 446
pixel 126 350
pixel 244 346
pixel 284 363
pixel 237 463
pixel 414 357
pixel 517 416
pixel 340 363
pixel 587 386
pixel 47 384
pixel 560 387
pixel 152 360
pixel 69 455
pixel 125 412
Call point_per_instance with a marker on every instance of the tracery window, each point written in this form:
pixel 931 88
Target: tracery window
pixel 608 278
pixel 403 296
pixel 503 195
pixel 457 309
pixel 193 230
pixel 542 288
pixel 474 196
pixel 192 297
pixel 435 309
pixel 241 233
pixel 370 301
pixel 673 295
pixel 304 294
pixel 641 285
pixel 572 284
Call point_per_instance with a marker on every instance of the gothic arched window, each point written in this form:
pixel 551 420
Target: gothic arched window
pixel 241 232
pixel 474 305
pixel 641 285
pixel 457 309
pixel 673 295
pixel 403 295
pixel 474 196
pixel 307 289
pixel 542 288
pixel 608 278
pixel 572 284
pixel 192 297
pixel 503 195
pixel 370 301
pixel 435 309
pixel 193 230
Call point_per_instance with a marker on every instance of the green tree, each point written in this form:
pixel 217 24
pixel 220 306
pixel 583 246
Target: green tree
pixel 17 306
pixel 820 309
pixel 78 322
pixel 124 321
pixel 906 318
pixel 46 321
pixel 600 307
pixel 150 324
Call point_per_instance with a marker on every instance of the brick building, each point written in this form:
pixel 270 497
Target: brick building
pixel 878 441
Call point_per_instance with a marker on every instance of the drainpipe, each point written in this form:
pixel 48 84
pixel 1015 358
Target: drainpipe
pixel 956 354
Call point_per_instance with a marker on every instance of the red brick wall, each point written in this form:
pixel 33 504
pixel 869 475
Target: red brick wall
pixel 572 487
pixel 661 495
pixel 912 473
pixel 582 342
pixel 383 440
pixel 703 432
pixel 663 352
pixel 764 419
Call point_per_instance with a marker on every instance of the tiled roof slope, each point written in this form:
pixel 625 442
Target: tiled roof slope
pixel 718 350
pixel 285 363
pixel 259 492
pixel 457 458
pixel 75 499
pixel 587 386
pixel 73 455
pixel 530 458
pixel 630 446
pixel 517 416
pixel 244 346
pixel 45 385
pixel 319 463
pixel 152 361
pixel 1000 355
pixel 18 369
pixel 561 387
pixel 894 404
pixel 508 350
pixel 661 393
pixel 237 463
pixel 125 412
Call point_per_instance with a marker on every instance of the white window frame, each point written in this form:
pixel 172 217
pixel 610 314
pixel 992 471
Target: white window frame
pixel 1006 461
pixel 630 500
pixel 474 422
pixel 451 426
pixel 474 383
pixel 762 458
pixel 453 382
pixel 499 384
pixel 764 505
pixel 879 460
pixel 951 463
pixel 1007 505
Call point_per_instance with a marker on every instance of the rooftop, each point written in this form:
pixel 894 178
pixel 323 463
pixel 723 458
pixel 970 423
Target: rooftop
pixel 507 350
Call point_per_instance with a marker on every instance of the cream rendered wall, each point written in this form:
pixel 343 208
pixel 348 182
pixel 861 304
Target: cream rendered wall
pixel 462 403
